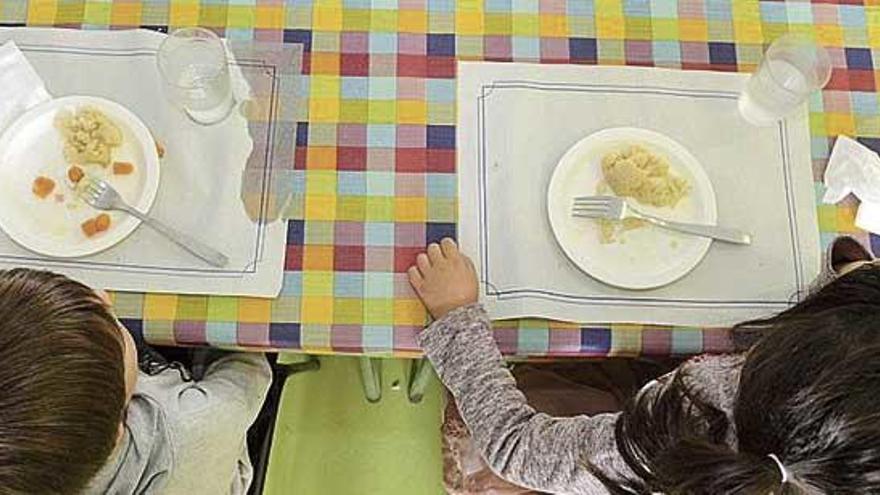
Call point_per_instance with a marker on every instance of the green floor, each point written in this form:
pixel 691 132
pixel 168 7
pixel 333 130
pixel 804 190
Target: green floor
pixel 330 440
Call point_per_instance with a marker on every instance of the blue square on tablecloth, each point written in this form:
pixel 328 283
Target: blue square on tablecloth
pixel 302 134
pixel 375 337
pixel 498 6
pixel 441 185
pixel 351 183
pixel 595 340
pixel 379 234
pixel 637 8
pixel 383 43
pixel 295 232
pixel 799 13
pixel 580 9
pixel 526 48
pixel 381 135
pixel 773 12
pixel 355 88
pixel 221 332
pixel 851 16
pixel 441 5
pixel 718 10
pixel 303 36
pixel 440 90
pixel 722 53
pixel 582 49
pixel 441 137
pixel 666 53
pixel 436 231
pixel 441 44
pixel 864 102
pixel 292 284
pixel 859 58
pixel 348 284
pixel 285 335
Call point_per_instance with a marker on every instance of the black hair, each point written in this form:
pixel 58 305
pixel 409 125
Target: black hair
pixel 809 393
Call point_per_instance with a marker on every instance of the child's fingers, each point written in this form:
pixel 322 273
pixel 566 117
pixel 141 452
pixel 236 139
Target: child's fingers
pixel 415 277
pixel 449 248
pixel 434 252
pixel 423 263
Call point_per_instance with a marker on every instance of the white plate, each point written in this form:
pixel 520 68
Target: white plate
pixel 648 257
pixel 32 147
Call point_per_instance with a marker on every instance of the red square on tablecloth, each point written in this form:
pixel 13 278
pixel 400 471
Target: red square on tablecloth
pixel 293 260
pixel 348 258
pixel 839 80
pixel 351 158
pixel 405 257
pixel 441 67
pixel 412 65
pixel 441 160
pixel 410 160
pixel 354 64
pixel 861 80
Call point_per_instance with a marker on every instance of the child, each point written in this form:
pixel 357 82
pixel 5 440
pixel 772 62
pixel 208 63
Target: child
pixel 797 410
pixel 77 416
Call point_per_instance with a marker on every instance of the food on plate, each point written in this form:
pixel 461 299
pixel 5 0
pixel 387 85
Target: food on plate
pixel 635 172
pixel 122 168
pixel 102 222
pixel 89 136
pixel 43 187
pixel 89 227
pixel 644 176
pixel 160 150
pixel 75 174
pixel 96 225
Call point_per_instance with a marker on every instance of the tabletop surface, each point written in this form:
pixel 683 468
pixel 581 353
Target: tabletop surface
pixel 375 146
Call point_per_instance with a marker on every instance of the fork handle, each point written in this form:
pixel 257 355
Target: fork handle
pixel 194 246
pixel 712 231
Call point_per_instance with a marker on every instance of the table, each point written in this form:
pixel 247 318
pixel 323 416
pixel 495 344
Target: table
pixel 375 148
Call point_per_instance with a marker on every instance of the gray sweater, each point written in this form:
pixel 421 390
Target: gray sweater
pixel 188 437
pixel 533 449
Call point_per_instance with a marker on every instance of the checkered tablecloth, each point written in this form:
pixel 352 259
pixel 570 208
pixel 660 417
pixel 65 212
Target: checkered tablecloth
pixel 375 147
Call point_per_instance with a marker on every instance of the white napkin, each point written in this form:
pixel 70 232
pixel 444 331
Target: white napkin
pixel 855 169
pixel 20 86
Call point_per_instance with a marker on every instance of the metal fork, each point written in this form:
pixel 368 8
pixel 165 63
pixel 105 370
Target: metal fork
pixel 101 195
pixel 615 208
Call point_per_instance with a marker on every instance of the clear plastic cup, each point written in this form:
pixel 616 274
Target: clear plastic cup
pixel 195 72
pixel 792 68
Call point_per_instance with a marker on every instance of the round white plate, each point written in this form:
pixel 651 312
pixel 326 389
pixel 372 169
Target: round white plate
pixel 32 147
pixel 648 257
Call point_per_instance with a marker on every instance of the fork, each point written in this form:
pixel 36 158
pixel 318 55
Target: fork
pixel 102 196
pixel 615 208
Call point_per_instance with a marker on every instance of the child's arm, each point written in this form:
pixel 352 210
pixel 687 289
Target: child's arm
pixel 523 446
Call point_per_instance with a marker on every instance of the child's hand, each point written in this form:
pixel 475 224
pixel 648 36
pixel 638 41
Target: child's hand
pixel 444 278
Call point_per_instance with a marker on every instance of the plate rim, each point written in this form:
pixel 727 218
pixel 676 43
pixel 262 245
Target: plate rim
pixel 151 180
pixel 602 276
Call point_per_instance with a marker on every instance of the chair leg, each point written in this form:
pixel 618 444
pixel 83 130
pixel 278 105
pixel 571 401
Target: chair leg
pixel 371 377
pixel 419 376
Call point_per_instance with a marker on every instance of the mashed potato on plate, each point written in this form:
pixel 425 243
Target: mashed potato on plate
pixel 634 172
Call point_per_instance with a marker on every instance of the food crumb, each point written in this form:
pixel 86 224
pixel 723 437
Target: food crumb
pixel 43 187
pixel 160 150
pixel 75 174
pixel 59 198
pixel 122 168
pixel 90 227
pixel 102 222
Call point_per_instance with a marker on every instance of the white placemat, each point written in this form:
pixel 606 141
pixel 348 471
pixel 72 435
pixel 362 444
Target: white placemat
pixel 516 120
pixel 202 171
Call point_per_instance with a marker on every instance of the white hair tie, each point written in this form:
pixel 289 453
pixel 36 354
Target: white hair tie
pixel 781 466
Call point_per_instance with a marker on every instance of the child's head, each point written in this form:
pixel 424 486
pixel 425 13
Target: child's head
pixel 67 369
pixel 809 394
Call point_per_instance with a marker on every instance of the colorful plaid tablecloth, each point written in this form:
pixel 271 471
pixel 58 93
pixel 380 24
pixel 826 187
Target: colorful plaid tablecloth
pixel 375 147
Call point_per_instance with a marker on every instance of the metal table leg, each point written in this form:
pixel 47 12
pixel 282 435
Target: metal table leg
pixel 419 376
pixel 371 378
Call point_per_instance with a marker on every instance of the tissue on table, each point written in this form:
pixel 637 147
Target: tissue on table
pixel 855 169
pixel 20 86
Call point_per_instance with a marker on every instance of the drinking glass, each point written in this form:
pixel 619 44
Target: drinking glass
pixel 792 68
pixel 194 69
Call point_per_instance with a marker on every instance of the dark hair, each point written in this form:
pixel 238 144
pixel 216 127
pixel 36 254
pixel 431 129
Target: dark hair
pixel 809 393
pixel 62 386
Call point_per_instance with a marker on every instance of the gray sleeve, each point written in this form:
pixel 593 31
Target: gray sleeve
pixel 209 421
pixel 525 447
